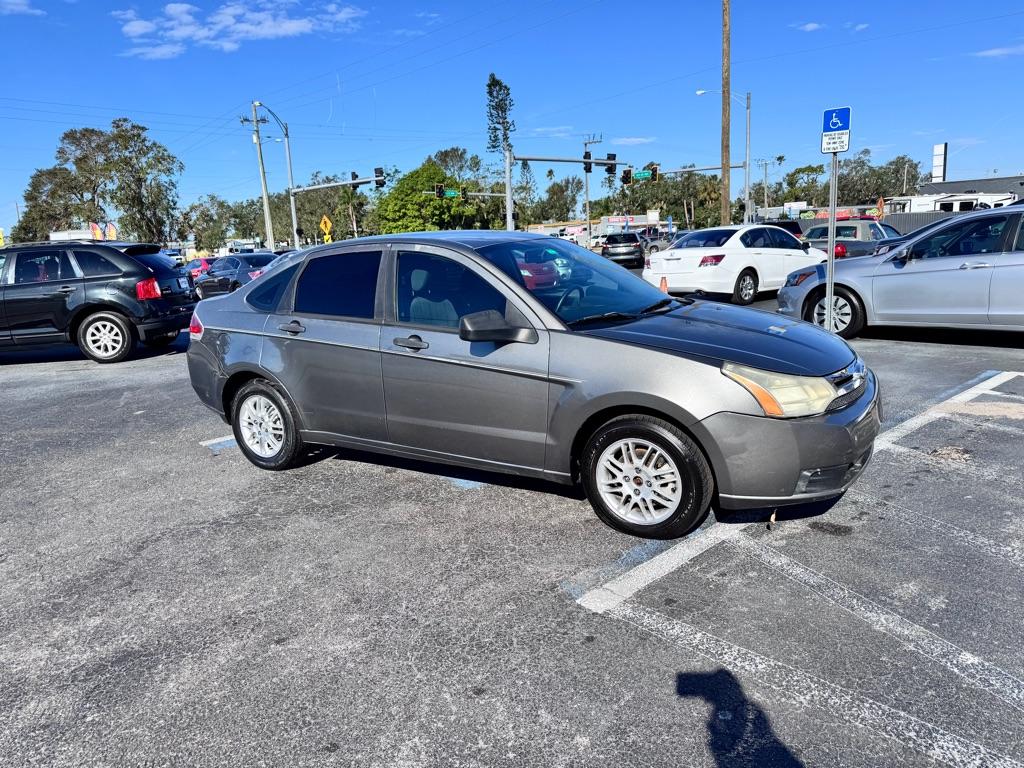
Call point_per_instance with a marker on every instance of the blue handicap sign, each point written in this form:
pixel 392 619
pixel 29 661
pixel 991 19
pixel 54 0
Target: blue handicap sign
pixel 837 119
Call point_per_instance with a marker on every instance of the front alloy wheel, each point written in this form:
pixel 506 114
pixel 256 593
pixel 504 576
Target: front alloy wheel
pixel 847 314
pixel 646 477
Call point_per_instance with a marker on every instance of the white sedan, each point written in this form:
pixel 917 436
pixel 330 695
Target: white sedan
pixel 739 260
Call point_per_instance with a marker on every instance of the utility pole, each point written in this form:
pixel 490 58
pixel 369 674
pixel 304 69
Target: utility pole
pixel 906 167
pixel 764 166
pixel 510 223
pixel 726 114
pixel 291 180
pixel 591 139
pixel 256 120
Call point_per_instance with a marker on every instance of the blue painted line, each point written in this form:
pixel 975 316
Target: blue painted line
pixel 223 445
pixel 469 485
pixel 578 586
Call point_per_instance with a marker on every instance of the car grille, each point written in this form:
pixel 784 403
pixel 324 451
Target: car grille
pixel 848 399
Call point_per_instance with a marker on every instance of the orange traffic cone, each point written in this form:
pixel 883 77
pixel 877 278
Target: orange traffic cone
pixel 664 284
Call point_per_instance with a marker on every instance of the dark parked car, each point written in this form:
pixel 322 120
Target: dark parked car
pixel 231 273
pixel 99 297
pixel 434 346
pixel 790 225
pixel 625 248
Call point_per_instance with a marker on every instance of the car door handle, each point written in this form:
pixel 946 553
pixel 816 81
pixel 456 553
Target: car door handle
pixel 67 289
pixel 293 327
pixel 975 265
pixel 413 342
pixel 671 258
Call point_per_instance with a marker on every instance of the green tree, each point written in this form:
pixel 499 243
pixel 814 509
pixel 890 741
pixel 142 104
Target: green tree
pixel 208 220
pixel 500 124
pixel 406 209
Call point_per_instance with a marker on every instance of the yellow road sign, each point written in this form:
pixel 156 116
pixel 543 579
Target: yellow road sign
pixel 328 238
pixel 326 226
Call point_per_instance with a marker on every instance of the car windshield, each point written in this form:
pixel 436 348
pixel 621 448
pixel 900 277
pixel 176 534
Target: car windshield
pixel 584 286
pixel 630 237
pixel 705 238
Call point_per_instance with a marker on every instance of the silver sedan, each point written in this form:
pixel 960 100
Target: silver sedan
pixel 968 273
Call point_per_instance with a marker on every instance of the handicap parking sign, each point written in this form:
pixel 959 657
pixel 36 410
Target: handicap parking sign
pixel 835 130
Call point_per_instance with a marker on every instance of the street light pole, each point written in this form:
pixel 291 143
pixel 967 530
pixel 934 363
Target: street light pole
pixel 586 187
pixel 291 180
pixel 263 175
pixel 726 116
pixel 747 216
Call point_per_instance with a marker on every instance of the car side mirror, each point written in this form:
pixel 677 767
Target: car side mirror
pixel 806 246
pixel 490 325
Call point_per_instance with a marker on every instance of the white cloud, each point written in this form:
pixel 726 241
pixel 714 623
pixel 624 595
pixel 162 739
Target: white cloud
pixel 967 141
pixel 1010 50
pixel 810 26
pixel 555 131
pixel 23 7
pixel 408 32
pixel 860 27
pixel 156 52
pixel 231 24
pixel 632 141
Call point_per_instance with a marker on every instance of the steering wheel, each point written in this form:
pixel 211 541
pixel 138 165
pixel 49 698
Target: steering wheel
pixel 566 295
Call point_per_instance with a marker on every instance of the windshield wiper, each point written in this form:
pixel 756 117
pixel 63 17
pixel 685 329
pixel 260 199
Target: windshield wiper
pixel 656 306
pixel 607 316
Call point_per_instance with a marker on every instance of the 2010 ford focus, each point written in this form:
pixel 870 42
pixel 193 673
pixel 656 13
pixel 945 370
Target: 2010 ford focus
pixel 442 346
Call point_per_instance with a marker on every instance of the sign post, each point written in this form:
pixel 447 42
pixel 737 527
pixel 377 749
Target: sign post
pixel 835 138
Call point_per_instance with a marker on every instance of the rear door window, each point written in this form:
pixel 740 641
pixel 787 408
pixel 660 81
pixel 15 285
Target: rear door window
pixel 339 285
pixel 42 267
pixel 94 264
pixel 756 238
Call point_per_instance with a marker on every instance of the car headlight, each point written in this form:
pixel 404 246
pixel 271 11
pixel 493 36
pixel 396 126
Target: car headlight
pixel 798 277
pixel 525 273
pixel 781 395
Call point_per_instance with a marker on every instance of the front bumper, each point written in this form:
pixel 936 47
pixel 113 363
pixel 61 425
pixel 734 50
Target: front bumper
pixel 764 462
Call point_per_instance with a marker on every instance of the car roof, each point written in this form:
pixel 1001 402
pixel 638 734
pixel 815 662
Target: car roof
pixel 471 238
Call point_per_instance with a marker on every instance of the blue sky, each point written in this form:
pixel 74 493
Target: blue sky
pixel 387 83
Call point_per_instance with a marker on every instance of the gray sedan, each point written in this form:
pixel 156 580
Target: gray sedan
pixel 436 346
pixel 968 273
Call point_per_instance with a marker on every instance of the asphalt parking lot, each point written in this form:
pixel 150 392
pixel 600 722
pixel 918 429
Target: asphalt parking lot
pixel 167 603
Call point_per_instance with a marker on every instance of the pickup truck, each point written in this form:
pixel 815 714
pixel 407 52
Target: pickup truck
pixel 854 237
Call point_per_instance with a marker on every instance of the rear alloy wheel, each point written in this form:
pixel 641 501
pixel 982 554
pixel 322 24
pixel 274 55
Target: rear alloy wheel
pixel 847 314
pixel 105 337
pixel 746 288
pixel 265 426
pixel 646 477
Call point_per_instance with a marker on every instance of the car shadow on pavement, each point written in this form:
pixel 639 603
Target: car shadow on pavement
pixel 446 471
pixel 948 336
pixel 64 353
pixel 782 514
pixel 739 731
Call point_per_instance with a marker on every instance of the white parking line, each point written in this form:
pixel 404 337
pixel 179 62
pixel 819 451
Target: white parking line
pixel 975 670
pixel 810 691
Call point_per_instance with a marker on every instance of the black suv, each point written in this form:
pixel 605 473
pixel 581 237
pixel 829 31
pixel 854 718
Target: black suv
pixel 102 297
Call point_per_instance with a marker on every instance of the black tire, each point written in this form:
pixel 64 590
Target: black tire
pixel 292 448
pixel 199 292
pixel 106 337
pixel 740 289
pixel 234 287
pixel 159 342
pixel 858 317
pixel 696 483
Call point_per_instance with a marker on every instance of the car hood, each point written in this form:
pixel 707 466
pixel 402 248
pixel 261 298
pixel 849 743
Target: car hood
pixel 722 332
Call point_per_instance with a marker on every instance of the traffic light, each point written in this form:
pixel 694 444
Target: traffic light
pixel 354 175
pixel 587 166
pixel 439 191
pixel 378 177
pixel 654 172
pixel 627 176
pixel 465 193
pixel 610 169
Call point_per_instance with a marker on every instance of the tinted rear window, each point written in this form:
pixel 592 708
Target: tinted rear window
pixel 341 285
pixel 139 249
pixel 258 261
pixel 630 237
pixel 157 262
pixel 706 238
pixel 268 295
pixel 94 264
